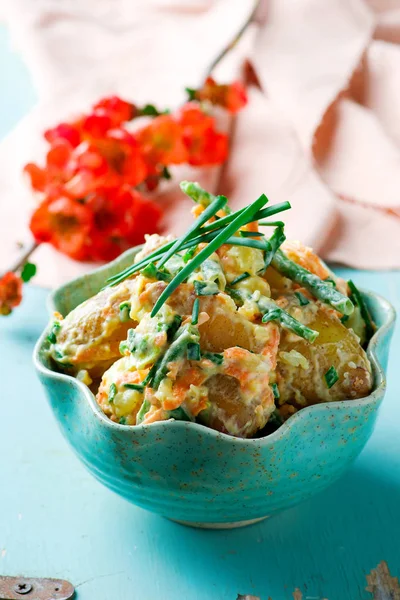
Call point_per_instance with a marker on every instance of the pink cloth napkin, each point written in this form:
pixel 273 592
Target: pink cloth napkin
pixel 321 130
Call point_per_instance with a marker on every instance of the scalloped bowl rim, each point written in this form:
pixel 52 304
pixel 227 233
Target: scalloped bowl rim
pixel 282 431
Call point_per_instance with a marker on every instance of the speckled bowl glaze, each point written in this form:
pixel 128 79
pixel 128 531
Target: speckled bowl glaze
pixel 198 476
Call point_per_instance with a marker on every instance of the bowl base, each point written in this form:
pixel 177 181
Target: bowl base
pixel 231 525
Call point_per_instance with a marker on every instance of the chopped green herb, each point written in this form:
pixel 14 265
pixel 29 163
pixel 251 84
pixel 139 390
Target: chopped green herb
pixel 52 337
pixel 357 298
pixel 190 253
pixel 112 392
pixel 240 278
pixel 179 414
pixel 205 288
pixel 195 312
pixel 275 391
pixel 28 271
pixel 216 358
pixel 193 351
pixel 124 310
pixel 163 275
pixel 148 380
pixel 144 409
pixel 275 420
pixel 251 233
pixel 139 387
pixel 331 376
pixel 344 319
pixel 150 271
pixel 302 299
pixel 122 421
pixel 173 327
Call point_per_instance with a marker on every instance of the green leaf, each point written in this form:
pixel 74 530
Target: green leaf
pixel 191 92
pixel 331 376
pixel 28 271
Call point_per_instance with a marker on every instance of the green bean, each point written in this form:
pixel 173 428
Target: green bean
pixel 321 290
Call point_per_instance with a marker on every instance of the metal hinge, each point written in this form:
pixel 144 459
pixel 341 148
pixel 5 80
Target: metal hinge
pixel 29 588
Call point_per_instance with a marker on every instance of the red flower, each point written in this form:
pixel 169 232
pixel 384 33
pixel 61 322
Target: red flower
pixel 37 176
pixel 117 109
pixel 64 223
pixel 161 141
pixel 121 217
pixel 96 124
pixel 231 96
pixel 64 131
pixel 205 145
pixel 10 292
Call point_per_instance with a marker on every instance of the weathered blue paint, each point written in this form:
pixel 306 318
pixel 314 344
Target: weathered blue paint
pixel 190 473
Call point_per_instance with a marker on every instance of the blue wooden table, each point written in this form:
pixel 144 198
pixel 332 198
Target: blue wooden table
pixel 57 521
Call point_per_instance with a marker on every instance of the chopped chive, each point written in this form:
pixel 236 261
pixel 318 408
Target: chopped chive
pixel 344 319
pixel 215 357
pixel 302 299
pixel 321 290
pixel 139 387
pixel 144 409
pixel 28 271
pixel 205 288
pixel 272 223
pixel 150 271
pixel 240 278
pixel 148 380
pixel 112 392
pixel 205 216
pixel 176 351
pixel 359 301
pixel 122 421
pixel 124 310
pixel 193 351
pixel 163 275
pixel 179 414
pixel 251 233
pixel 190 253
pixel 52 337
pixel 195 312
pixel 275 391
pixel 221 238
pixel 331 376
pixel 173 327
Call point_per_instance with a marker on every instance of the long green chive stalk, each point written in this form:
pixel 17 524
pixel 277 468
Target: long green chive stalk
pixel 206 215
pixel 222 237
pixel 321 290
pixel 275 241
pixel 216 225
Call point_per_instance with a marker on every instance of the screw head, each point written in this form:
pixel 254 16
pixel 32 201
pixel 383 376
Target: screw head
pixel 23 588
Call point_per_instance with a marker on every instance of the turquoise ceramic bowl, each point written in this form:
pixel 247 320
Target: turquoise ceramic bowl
pixel 195 475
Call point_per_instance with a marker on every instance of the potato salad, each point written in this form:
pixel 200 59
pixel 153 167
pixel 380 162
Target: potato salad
pixel 230 325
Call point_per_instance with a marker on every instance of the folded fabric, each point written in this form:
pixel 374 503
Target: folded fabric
pixel 322 129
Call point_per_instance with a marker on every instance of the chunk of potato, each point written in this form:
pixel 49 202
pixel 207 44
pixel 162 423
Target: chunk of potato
pixel 302 382
pixel 90 335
